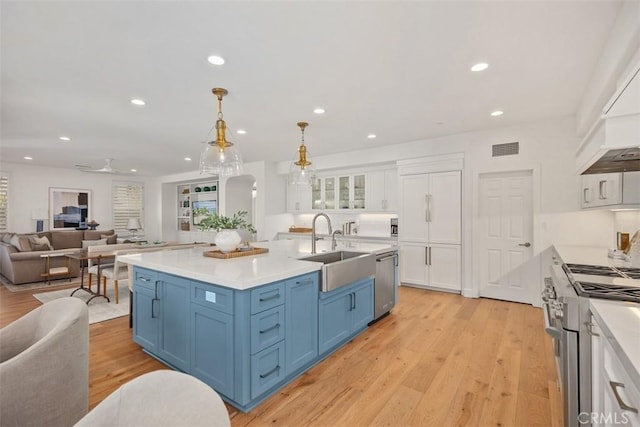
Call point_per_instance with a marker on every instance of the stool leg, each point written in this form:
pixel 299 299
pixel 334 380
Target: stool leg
pixel 115 283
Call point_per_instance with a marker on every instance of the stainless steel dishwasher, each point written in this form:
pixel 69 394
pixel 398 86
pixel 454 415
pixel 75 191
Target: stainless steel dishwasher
pixel 385 283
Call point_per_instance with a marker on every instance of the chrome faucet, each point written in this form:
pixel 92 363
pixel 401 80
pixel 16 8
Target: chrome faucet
pixel 333 239
pixel 313 230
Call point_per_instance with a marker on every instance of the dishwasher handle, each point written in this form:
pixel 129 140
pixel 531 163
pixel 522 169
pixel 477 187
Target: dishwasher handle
pixel 386 258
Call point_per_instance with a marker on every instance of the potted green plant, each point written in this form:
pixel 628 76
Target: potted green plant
pixel 227 238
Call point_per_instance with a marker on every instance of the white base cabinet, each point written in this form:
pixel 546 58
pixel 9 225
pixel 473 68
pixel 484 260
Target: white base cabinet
pixel 615 397
pixel 432 265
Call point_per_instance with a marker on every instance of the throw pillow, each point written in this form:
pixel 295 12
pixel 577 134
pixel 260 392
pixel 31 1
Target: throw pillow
pixel 87 243
pixel 7 237
pixel 112 239
pixel 40 243
pixel 21 243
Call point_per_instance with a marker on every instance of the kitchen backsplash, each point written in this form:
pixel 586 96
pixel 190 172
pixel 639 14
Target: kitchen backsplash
pixel 373 225
pixel 627 221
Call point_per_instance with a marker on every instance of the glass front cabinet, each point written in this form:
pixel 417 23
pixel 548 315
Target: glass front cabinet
pixel 323 193
pixel 351 191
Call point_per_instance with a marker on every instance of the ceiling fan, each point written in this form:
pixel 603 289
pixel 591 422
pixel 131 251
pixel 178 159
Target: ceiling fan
pixel 107 168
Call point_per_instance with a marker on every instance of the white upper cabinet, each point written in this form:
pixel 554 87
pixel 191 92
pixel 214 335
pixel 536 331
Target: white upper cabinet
pixel 298 198
pixel 323 193
pixel 382 190
pixel 352 191
pixel 609 190
pixel 368 190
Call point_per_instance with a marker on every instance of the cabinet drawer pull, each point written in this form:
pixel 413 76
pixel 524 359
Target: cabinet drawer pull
pixel 614 386
pixel 144 279
pixel 264 331
pixel 276 296
pixel 265 375
pixel 603 189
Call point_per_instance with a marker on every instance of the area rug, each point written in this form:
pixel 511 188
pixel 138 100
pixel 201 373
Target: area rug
pixel 99 309
pixel 40 285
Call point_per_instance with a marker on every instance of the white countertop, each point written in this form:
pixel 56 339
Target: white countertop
pixel 592 255
pixel 244 272
pixel 620 322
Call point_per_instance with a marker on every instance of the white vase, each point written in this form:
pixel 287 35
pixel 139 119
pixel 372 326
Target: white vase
pixel 227 240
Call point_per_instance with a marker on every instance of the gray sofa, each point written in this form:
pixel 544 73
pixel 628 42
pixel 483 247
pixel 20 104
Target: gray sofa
pixel 20 263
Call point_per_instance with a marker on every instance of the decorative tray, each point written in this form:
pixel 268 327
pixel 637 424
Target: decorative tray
pixel 299 230
pixel 217 253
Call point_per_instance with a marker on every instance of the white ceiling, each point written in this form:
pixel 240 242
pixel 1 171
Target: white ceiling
pixel 397 69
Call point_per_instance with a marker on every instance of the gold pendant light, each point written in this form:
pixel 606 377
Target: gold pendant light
pixel 301 171
pixel 220 157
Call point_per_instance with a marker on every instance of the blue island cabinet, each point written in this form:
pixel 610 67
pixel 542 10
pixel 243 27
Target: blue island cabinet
pixel 246 344
pixel 161 316
pixel 343 313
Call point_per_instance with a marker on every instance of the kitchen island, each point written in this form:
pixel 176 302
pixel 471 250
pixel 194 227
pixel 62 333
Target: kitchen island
pixel 246 326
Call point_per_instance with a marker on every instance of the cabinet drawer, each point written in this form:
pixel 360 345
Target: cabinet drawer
pixel 267 369
pixel 144 278
pixel 621 385
pixel 267 328
pixel 266 297
pixel 212 296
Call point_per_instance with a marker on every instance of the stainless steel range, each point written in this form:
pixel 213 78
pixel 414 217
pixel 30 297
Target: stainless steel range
pixel 568 320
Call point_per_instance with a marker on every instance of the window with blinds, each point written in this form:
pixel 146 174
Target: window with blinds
pixel 128 202
pixel 4 202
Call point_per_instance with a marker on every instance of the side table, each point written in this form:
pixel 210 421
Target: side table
pixel 53 272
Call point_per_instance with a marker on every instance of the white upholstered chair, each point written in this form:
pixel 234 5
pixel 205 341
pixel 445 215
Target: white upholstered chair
pixel 44 366
pixel 160 398
pixel 106 263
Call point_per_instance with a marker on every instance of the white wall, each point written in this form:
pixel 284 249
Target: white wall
pixel 29 189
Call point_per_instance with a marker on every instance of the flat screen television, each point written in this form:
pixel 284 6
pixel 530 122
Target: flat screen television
pixel 210 205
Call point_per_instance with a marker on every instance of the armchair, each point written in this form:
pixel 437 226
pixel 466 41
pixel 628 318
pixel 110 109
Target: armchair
pixel 44 365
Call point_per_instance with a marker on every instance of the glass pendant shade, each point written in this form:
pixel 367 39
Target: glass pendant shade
pixel 220 157
pixel 301 171
pixel 222 162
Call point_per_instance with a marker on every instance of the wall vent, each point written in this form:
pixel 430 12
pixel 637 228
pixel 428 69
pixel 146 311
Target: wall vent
pixel 507 149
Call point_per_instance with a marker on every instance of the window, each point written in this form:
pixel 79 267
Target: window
pixel 128 202
pixel 4 202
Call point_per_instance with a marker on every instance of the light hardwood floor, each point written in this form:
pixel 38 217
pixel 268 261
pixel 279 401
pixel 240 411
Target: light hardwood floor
pixel 438 360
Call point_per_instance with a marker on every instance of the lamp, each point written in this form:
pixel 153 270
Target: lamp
pixel 220 157
pixel 301 171
pixel 133 225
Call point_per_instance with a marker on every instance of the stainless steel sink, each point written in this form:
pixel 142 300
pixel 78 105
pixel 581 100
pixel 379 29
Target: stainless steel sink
pixel 341 268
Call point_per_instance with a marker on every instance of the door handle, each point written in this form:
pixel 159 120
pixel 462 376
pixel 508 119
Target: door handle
pixel 525 244
pixel 585 195
pixel 426 255
pixel 430 255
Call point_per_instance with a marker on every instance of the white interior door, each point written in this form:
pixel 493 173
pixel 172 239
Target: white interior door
pixel 505 235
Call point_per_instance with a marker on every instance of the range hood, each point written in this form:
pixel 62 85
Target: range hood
pixel 613 142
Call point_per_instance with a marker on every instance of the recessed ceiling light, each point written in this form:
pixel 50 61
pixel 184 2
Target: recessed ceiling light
pixel 371 136
pixel 241 131
pixel 134 170
pixel 64 138
pixel 215 60
pixel 28 158
pixel 480 66
pixel 319 111
pixel 187 159
pixel 497 113
pixel 138 102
